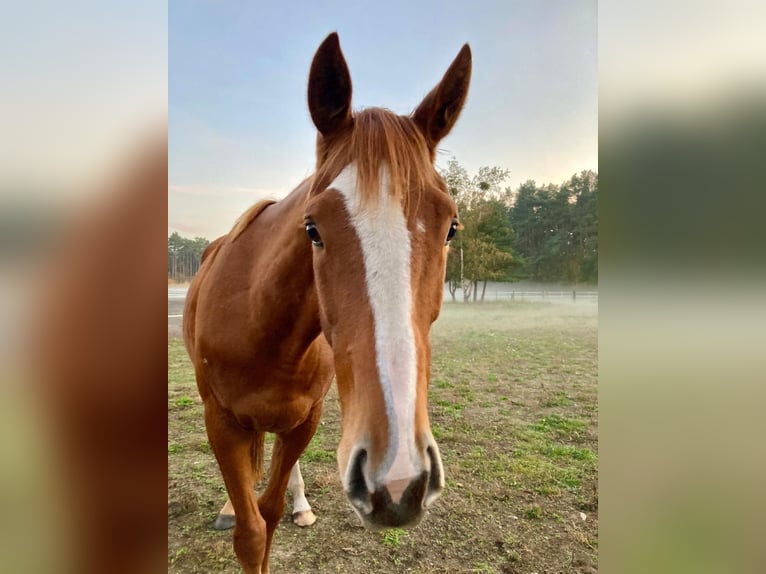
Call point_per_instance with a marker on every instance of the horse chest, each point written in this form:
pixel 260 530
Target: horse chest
pixel 271 414
pixel 269 404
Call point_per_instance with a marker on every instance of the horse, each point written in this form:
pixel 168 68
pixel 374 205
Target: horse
pixel 341 279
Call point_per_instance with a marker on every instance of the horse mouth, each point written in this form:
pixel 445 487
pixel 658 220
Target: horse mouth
pixel 380 509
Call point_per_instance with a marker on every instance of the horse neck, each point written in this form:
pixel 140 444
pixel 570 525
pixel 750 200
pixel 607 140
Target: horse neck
pixel 286 293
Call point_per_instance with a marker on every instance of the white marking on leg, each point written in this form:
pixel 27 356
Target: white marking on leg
pixel 296 487
pixel 302 514
pixel 228 508
pixel 385 241
pixel 421 227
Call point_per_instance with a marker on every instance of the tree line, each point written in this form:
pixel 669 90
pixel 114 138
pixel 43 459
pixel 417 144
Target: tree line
pixel 546 232
pixel 541 232
pixel 184 257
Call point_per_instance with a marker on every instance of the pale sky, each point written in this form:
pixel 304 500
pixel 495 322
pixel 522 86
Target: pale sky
pixel 83 84
pixel 240 130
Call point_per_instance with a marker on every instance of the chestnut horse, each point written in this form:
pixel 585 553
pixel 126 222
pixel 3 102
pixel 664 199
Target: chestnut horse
pixel 343 277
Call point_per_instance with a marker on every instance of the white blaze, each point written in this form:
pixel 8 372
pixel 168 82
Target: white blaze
pixel 385 240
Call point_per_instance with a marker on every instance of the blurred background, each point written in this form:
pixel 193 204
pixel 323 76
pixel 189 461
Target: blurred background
pixel 682 316
pixel 83 206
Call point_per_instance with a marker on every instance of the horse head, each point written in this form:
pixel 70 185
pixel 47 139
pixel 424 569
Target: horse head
pixel 380 219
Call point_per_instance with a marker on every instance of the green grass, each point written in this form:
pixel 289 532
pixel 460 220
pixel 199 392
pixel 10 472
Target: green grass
pixel 560 426
pixel 449 408
pixel 318 454
pixel 533 512
pixel 393 537
pixel 184 402
pixel 568 451
pixel 560 399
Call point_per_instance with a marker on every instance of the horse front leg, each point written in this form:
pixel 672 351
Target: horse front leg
pixel 287 449
pixel 226 516
pixel 233 448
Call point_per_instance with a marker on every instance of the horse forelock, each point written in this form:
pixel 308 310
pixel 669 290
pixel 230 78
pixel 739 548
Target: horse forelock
pixel 378 138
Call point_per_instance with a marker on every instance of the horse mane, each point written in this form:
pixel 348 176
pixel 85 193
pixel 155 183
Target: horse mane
pixel 247 218
pixel 377 137
pixel 211 248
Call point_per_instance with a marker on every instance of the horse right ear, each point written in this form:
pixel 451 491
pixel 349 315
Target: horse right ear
pixel 330 88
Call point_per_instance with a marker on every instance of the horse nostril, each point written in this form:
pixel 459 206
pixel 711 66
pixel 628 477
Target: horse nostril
pixel 435 476
pixel 357 491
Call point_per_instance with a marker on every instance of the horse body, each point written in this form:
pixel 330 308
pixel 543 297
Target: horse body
pixel 344 276
pixel 267 370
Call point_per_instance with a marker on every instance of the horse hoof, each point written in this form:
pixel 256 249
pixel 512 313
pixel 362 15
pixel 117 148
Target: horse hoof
pixel 304 518
pixel 224 522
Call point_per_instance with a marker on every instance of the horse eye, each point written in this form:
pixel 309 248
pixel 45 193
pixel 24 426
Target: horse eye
pixel 452 231
pixel 313 234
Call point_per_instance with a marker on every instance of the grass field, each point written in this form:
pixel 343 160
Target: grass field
pixel 514 409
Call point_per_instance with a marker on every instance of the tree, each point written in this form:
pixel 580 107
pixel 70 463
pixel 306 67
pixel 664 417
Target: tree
pixel 585 236
pixel 184 256
pixel 482 251
pixel 556 229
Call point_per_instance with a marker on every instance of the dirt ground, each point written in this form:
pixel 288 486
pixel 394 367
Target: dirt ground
pixel 513 406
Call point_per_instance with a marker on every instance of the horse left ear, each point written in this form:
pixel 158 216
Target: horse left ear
pixel 439 110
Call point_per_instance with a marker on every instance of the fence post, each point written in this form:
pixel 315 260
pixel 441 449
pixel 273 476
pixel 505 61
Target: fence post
pixel 574 295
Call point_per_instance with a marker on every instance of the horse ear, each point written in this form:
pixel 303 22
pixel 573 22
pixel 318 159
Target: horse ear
pixel 329 88
pixel 439 110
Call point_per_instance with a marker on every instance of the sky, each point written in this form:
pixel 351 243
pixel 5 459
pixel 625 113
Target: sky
pixel 240 130
pixel 84 84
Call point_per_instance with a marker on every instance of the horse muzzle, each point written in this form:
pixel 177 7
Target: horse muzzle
pixel 399 503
